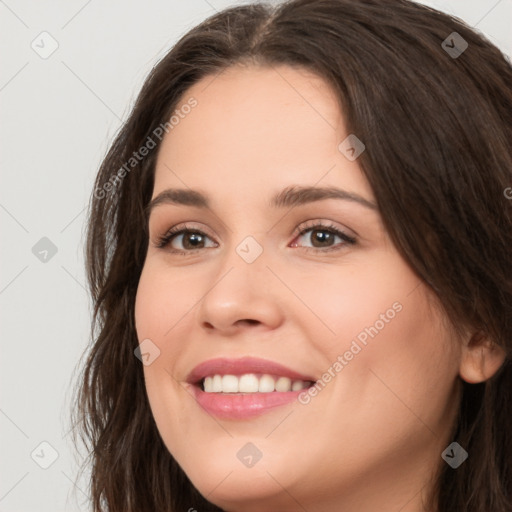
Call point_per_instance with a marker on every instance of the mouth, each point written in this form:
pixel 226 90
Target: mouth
pixel 244 388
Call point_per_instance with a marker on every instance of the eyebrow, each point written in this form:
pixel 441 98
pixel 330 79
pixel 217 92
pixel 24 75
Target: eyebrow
pixel 288 197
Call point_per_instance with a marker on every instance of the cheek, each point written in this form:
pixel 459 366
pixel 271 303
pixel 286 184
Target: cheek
pixel 399 367
pixel 156 313
pixel 148 304
pixel 162 301
pixel 386 352
pixel 355 304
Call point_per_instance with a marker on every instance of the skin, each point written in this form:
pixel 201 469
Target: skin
pixel 372 437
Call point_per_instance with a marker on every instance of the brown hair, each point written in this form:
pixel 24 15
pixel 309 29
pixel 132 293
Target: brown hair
pixel 437 131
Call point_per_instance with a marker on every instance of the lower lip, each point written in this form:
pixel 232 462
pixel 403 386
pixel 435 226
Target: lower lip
pixel 242 406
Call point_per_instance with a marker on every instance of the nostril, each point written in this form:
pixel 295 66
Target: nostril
pixel 250 321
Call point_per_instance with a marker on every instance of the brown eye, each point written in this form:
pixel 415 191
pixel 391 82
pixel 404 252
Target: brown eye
pixel 323 237
pixel 190 239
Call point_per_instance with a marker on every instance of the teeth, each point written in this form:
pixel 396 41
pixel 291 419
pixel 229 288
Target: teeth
pixel 251 383
pixel 297 385
pixel 267 384
pixel 283 384
pixel 217 383
pixel 230 384
pixel 248 383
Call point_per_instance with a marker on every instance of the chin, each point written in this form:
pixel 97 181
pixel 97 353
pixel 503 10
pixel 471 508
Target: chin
pixel 220 475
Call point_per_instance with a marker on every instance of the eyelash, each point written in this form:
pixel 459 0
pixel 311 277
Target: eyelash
pixel 164 240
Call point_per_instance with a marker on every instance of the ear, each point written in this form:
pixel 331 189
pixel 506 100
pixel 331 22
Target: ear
pixel 481 358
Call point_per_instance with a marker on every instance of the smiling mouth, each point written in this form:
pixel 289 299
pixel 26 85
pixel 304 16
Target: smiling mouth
pixel 251 383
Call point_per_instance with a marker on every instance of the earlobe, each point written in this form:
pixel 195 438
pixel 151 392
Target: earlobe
pixel 480 359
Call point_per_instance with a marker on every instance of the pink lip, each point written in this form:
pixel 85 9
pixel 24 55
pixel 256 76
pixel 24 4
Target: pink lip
pixel 242 405
pixel 224 366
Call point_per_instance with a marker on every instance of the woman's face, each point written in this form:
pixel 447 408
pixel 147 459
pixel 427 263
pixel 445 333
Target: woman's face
pixel 336 304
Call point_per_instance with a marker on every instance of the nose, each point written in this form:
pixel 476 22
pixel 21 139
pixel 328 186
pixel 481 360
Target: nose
pixel 242 296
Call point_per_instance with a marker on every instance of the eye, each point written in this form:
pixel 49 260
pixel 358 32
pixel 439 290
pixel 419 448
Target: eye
pixel 191 239
pixel 323 236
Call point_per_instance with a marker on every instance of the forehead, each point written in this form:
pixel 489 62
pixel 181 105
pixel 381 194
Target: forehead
pixel 258 127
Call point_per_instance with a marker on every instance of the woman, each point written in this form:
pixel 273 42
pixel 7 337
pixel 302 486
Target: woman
pixel 298 251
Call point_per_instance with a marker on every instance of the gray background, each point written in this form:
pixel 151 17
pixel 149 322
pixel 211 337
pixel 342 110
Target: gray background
pixel 59 115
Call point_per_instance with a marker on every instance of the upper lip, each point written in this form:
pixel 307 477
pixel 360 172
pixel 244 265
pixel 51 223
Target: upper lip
pixel 225 366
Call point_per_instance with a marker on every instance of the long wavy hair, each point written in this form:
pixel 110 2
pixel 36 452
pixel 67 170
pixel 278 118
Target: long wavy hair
pixel 437 127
